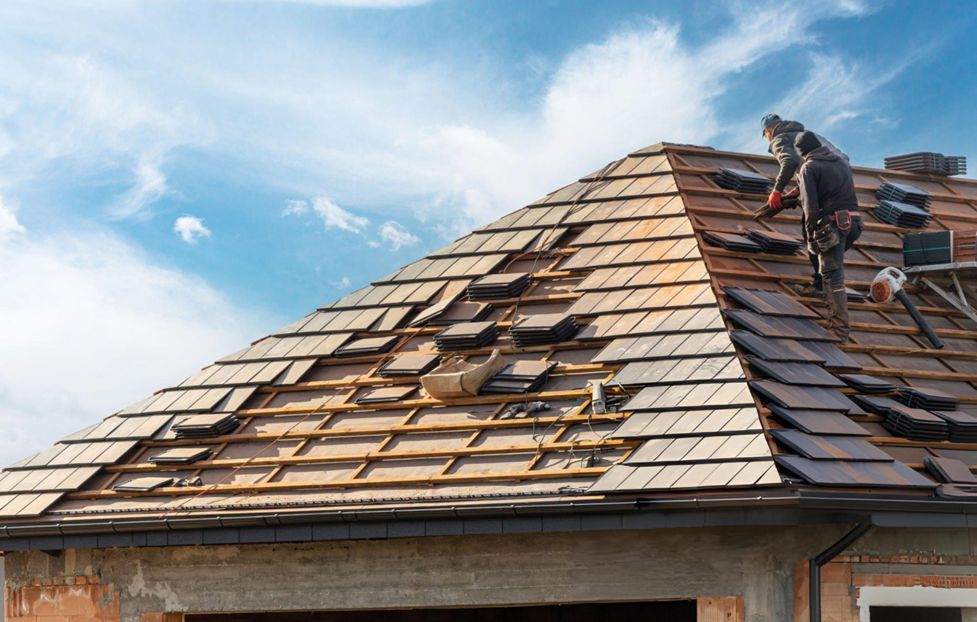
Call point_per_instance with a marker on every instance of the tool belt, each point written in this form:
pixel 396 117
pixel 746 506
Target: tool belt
pixel 826 236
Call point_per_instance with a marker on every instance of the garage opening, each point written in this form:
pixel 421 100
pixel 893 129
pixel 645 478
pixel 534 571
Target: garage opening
pixel 659 611
pixel 915 614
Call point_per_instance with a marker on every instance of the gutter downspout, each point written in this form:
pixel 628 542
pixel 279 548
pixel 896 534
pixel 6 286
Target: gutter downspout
pixel 825 556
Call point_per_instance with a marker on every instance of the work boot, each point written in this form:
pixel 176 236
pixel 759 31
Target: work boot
pixel 808 291
pixel 841 334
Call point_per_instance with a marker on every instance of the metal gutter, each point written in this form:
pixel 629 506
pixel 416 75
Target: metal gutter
pixel 450 519
pixel 860 502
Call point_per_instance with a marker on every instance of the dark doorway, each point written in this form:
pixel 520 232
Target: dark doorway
pixel 915 614
pixel 665 611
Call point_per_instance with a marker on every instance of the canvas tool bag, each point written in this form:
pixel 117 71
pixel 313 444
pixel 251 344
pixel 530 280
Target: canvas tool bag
pixel 458 378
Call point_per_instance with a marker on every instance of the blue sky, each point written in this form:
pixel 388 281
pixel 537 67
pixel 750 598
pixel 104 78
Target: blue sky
pixel 178 178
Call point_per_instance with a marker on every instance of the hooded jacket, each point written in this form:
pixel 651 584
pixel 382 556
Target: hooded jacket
pixel 782 147
pixel 826 186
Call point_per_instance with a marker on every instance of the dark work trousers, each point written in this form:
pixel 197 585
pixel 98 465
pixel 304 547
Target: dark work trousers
pixel 815 262
pixel 832 265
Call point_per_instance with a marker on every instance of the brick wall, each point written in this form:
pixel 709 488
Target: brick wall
pixel 71 599
pixel 840 585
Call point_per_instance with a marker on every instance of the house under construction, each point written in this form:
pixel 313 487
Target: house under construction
pixel 608 404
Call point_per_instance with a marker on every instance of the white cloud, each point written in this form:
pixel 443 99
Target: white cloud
pixel 397 235
pixel 99 326
pixel 150 186
pixel 336 217
pixel 638 86
pixel 191 229
pixel 8 222
pixel 295 208
pixel 70 118
pixel 343 283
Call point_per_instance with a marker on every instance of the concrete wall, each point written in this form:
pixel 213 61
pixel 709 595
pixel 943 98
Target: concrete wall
pixel 457 571
pixel 754 563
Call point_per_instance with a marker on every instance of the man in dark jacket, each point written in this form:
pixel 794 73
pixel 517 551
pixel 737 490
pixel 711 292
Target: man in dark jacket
pixel 782 135
pixel 831 221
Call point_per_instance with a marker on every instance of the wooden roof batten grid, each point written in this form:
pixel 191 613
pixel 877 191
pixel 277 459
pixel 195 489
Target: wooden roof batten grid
pixel 606 221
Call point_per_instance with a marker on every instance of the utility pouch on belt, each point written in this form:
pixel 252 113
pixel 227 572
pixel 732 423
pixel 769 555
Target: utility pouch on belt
pixel 843 219
pixel 826 237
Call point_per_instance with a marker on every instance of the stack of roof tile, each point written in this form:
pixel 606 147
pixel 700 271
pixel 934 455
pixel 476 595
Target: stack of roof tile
pixel 519 377
pixel 461 312
pixel 916 424
pixel 543 329
pixel 773 242
pixel 368 346
pixel 902 215
pixel 743 181
pixel 495 286
pixel 409 365
pixel 731 242
pixel 385 395
pixel 182 455
pixel 143 484
pixel 963 427
pixel 904 193
pixel 206 426
pixel 466 336
pixel 930 399
pixel 928 162
pixel 869 385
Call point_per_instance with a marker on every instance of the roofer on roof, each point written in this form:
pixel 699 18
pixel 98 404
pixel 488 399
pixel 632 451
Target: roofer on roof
pixel 781 135
pixel 831 221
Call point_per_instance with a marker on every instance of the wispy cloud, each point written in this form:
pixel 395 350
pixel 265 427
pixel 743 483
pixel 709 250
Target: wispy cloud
pixel 9 225
pixel 190 229
pixel 295 208
pixel 149 187
pixel 335 217
pixel 638 86
pixel 397 235
pixel 139 324
pixel 73 117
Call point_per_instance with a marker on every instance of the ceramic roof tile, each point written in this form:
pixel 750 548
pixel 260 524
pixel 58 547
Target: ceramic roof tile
pixel 657 311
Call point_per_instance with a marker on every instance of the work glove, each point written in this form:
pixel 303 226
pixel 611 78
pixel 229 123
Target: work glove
pixel 794 192
pixel 775 201
pixel 812 246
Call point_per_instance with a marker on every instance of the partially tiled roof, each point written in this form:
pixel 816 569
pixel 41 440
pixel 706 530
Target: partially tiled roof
pixel 726 381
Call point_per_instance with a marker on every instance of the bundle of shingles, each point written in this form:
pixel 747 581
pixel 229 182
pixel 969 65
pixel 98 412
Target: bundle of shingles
pixel 520 377
pixel 743 181
pixel 773 242
pixel 731 242
pixel 903 205
pixel 904 193
pixel 543 329
pixel 466 336
pixel 181 455
pixel 930 399
pixel 902 215
pixel 915 424
pixel 869 385
pixel 928 162
pixel 495 286
pixel 409 365
pixel 963 426
pixel 206 426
